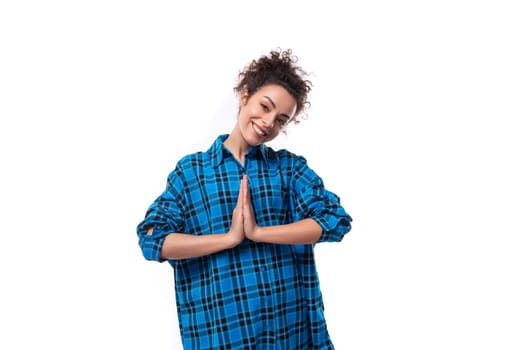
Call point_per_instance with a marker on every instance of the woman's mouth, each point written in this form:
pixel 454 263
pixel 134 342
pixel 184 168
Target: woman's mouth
pixel 258 130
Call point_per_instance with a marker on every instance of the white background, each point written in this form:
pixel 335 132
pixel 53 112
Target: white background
pixel 416 122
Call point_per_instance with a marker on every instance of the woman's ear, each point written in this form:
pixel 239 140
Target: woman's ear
pixel 243 98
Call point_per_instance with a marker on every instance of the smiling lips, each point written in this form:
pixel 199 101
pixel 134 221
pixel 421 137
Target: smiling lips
pixel 258 130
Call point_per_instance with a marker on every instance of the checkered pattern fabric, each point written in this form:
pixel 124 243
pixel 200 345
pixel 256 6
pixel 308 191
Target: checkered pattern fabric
pixel 256 295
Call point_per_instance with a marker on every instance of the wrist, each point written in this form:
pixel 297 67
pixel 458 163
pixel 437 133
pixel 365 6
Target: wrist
pixel 231 240
pixel 258 234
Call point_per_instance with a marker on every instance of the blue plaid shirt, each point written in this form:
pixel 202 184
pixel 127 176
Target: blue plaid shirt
pixel 256 295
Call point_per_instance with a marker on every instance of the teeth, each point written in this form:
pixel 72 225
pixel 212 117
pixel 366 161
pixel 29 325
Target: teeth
pixel 258 130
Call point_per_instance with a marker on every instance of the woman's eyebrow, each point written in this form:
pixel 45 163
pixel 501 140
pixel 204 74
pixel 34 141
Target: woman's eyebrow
pixel 271 101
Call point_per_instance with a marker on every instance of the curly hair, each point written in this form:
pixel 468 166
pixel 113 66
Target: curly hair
pixel 277 67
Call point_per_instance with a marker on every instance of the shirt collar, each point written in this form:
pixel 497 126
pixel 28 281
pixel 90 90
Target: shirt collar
pixel 217 151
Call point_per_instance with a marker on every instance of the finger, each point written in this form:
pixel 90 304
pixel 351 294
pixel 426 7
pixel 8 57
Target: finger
pixel 246 191
pixel 240 197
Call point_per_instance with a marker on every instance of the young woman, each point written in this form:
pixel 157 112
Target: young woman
pixel 238 224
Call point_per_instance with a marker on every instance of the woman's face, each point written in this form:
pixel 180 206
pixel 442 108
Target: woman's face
pixel 265 114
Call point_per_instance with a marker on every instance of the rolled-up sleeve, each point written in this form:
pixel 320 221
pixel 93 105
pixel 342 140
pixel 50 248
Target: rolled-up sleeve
pixel 165 215
pixel 310 199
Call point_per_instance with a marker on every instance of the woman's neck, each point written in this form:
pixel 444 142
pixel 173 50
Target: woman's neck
pixel 236 144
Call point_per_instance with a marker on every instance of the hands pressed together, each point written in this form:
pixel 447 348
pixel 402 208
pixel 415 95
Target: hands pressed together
pixel 179 245
pixel 243 218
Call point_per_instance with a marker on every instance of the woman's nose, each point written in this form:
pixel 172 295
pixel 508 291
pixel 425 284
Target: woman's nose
pixel 268 122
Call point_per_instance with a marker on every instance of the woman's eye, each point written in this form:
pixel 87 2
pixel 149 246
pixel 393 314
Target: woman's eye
pixel 265 107
pixel 281 122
